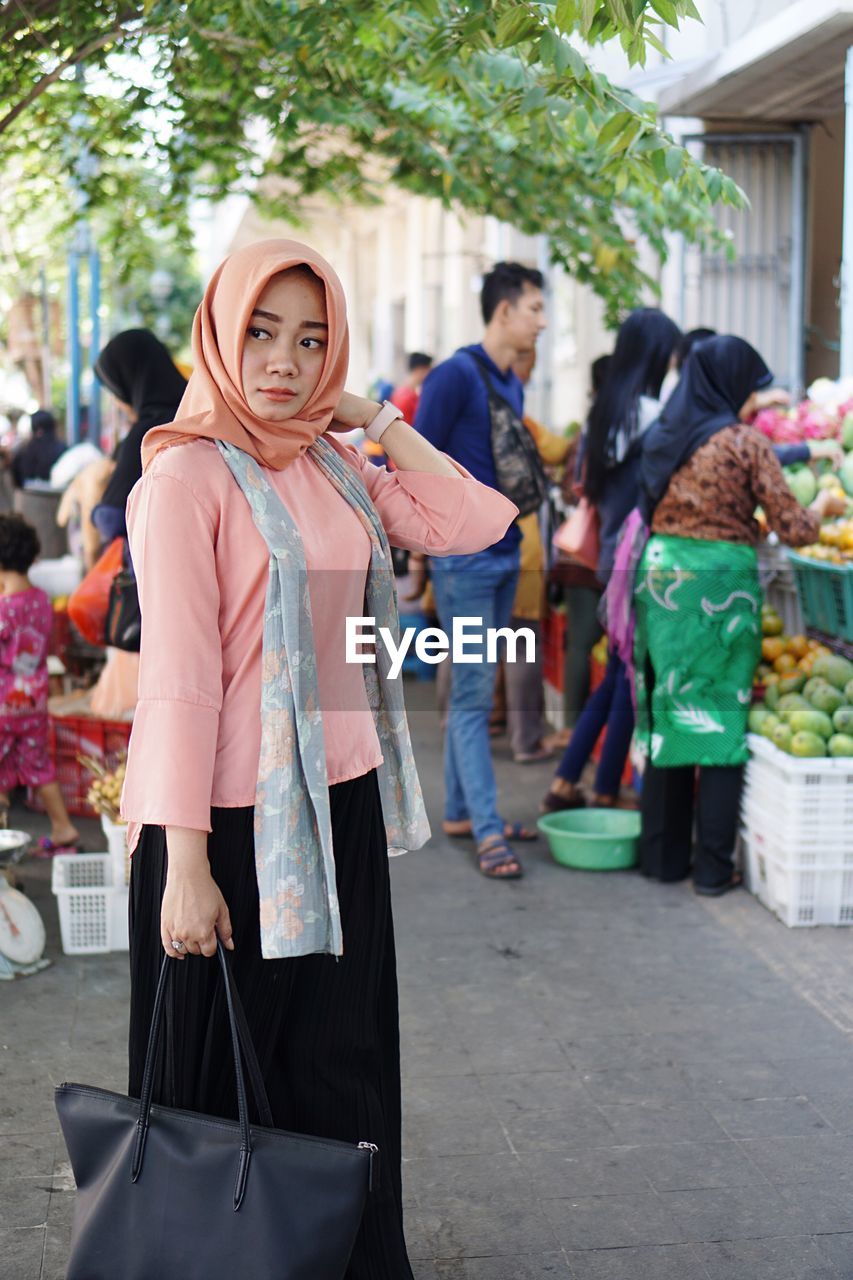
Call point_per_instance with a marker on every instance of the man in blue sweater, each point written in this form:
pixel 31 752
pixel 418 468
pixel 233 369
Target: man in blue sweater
pixel 453 414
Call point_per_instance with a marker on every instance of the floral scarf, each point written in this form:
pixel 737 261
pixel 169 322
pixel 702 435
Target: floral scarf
pixel 293 830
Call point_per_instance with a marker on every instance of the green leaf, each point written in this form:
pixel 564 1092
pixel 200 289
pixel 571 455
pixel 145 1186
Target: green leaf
pixel 613 127
pixel 650 142
pixel 548 48
pixel 658 45
pixel 659 165
pixel 533 99
pixel 588 10
pixel 666 10
pixel 627 136
pixel 567 58
pixel 674 161
pixel 621 180
pixel 714 186
pixel 566 15
pixel 515 25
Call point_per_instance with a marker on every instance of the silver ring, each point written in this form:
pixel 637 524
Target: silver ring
pixel 178 946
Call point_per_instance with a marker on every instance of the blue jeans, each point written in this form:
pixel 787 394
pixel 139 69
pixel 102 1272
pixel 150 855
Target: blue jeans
pixel 610 705
pixel 478 586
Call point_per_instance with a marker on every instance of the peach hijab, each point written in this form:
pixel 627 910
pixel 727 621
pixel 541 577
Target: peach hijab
pixel 214 406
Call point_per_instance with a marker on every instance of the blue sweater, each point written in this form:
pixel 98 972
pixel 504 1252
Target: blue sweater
pixel 453 414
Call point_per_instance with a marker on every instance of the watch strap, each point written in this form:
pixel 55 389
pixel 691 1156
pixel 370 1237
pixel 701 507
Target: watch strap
pixel 387 414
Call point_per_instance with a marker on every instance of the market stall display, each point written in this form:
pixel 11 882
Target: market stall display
pixel 797 813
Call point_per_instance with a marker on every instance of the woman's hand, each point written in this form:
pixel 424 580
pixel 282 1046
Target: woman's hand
pixel 830 449
pixel 193 910
pixel 353 412
pixel 826 504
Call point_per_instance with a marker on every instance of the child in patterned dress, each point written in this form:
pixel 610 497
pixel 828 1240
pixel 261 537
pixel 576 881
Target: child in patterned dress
pixel 26 619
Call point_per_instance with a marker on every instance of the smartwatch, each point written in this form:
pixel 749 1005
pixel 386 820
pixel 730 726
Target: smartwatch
pixel 387 414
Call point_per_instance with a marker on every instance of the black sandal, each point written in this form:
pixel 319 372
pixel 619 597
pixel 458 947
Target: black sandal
pixel 512 831
pixel 495 856
pixel 552 803
pixel 717 890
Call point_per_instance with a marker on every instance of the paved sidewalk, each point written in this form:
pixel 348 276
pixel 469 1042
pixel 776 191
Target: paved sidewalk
pixel 605 1079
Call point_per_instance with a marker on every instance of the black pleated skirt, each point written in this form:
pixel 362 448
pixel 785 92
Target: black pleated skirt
pixel 326 1031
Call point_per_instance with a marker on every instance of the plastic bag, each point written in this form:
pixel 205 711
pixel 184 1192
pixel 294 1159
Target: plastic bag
pixel 87 607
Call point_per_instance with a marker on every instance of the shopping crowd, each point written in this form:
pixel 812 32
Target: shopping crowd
pixel 266 782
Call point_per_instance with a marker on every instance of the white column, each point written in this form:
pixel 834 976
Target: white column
pixel 847 235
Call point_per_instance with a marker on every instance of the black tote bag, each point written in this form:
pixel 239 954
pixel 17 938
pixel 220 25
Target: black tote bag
pixel 167 1193
pixel 123 623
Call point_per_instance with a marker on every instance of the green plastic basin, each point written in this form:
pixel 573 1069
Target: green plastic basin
pixel 592 839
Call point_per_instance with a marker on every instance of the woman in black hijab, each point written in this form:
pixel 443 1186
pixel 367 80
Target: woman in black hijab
pixel 140 373
pixel 698 606
pixel 717 380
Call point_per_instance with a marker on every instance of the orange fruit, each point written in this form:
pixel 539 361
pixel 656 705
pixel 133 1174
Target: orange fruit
pixel 772 647
pixel 798 646
pixel 784 663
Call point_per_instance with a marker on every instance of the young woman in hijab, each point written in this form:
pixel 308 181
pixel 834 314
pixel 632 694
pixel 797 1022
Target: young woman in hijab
pixel 268 775
pixel 35 459
pixel 698 605
pixel 138 370
pixel 609 470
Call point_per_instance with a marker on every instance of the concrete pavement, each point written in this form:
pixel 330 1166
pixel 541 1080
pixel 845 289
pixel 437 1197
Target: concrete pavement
pixel 604 1079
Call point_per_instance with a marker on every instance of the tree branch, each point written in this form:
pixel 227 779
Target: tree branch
pixel 79 55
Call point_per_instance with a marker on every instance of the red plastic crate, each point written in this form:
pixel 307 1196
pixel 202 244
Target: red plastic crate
pixel 60 635
pixel 553 648
pixel 104 740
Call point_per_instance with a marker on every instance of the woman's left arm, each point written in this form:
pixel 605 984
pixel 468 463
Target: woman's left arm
pixel 429 503
pixel 406 448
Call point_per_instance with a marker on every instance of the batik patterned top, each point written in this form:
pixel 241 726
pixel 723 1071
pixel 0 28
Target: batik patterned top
pixel 715 494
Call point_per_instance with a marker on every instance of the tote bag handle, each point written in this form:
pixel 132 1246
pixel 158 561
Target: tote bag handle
pixel 244 1052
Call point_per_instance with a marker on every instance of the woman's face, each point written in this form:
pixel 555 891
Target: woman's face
pixel 285 346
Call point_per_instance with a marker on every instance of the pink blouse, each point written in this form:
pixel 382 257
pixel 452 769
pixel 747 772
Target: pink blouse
pixel 202 569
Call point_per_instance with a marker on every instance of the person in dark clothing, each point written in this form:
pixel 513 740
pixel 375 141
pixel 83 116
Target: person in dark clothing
pixel 454 415
pixel 138 370
pixel 788 454
pixel 609 470
pixel 34 460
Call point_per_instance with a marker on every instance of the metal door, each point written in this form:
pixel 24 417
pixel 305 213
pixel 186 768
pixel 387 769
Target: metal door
pixel 759 294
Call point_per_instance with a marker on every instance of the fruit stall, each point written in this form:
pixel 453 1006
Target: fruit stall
pixel 797 813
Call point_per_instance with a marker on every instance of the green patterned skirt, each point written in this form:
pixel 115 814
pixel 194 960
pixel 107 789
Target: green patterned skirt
pixel 697 643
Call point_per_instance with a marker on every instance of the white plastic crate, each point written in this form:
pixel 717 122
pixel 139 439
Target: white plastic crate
pixel 92 912
pixel 818 844
pixel 798 832
pixel 801 793
pixel 116 833
pixel 800 895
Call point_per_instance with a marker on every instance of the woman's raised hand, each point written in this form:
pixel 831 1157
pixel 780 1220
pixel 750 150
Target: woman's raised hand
pixel 353 412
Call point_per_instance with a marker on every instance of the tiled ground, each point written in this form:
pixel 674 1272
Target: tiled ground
pixel 605 1079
